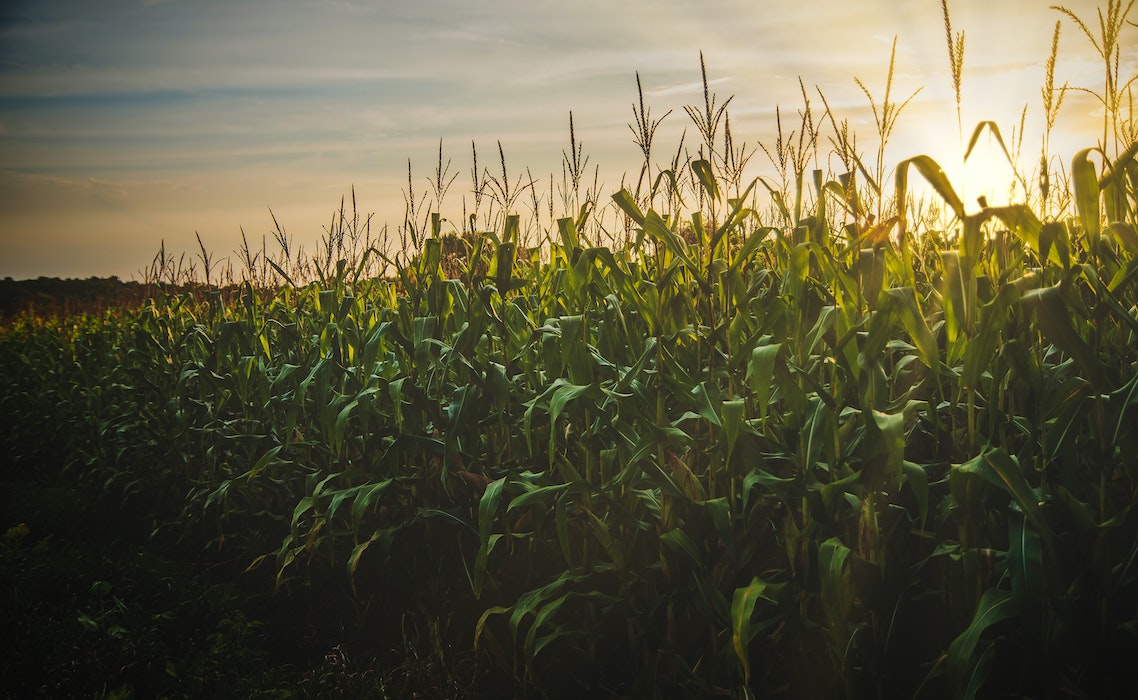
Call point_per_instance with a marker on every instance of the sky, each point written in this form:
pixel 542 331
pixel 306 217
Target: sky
pixel 128 123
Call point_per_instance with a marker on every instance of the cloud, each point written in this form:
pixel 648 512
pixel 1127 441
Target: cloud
pixel 686 88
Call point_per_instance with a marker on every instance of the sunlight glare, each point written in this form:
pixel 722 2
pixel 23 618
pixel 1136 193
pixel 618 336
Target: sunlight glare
pixel 987 173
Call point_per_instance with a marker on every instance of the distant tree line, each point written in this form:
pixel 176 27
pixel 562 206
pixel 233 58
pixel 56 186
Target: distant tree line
pixel 51 296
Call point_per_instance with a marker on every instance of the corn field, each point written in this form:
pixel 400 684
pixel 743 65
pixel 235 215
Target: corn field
pixel 816 437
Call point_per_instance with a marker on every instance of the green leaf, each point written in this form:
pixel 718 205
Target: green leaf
pixel 1025 563
pixel 1003 471
pixel 720 511
pixel 995 606
pixel 679 541
pixel 918 481
pixel 365 496
pixel 569 237
pixel 1085 184
pixel 395 390
pixel 478 628
pixel 739 213
pixel 982 349
pixel 783 487
pixel 502 266
pixel 706 177
pixel 742 607
pixel 646 357
pixel 538 495
pixel 1054 319
pixel 610 544
pixel 979 129
pixel 532 647
pixel 338 498
pixel 1027 226
pixel 627 203
pixel 816 431
pixel 892 429
pixel 909 309
pixel 871 274
pixel 303 506
pixel 733 414
pixel 760 372
pixel 531 600
pixel 1126 400
pixel 383 536
pixel 562 395
pixel 1053 237
pixel 829 492
pixel 707 403
pixel 837 593
pixel 822 326
pixel 341 426
pixel 561 522
pixel 1125 233
pixel 263 463
pixel 959 294
pixel 972 239
pixel 487 514
pixel 754 240
pixel 658 229
pixel 934 175
pixel 778 199
pixel 1106 293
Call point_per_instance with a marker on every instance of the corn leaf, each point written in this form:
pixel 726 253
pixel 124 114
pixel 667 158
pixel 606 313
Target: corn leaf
pixel 1085 183
pixel 742 608
pixel 995 606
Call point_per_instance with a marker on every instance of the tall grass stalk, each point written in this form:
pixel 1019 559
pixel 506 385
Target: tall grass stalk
pixel 1114 88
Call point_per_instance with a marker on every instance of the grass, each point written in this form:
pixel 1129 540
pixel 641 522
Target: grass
pixel 802 436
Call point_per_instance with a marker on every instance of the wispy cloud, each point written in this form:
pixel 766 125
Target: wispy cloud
pixel 686 88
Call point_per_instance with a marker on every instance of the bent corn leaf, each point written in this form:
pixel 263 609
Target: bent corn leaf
pixel 742 607
pixel 995 606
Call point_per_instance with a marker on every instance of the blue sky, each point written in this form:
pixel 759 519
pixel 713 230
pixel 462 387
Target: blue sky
pixel 126 122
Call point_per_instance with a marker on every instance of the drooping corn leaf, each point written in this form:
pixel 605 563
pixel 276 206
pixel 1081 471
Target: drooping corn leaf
pixel 996 605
